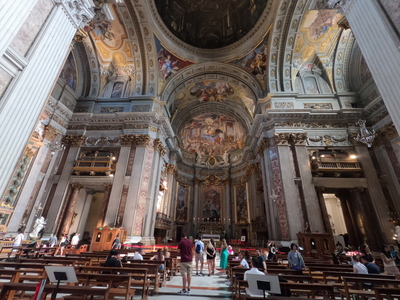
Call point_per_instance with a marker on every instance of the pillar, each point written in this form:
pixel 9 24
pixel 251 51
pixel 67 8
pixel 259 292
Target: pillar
pixel 54 215
pixel 379 45
pixel 252 190
pixel 139 184
pixel 197 205
pixel 28 93
pixel 104 204
pixel 111 216
pixel 269 199
pixel 375 190
pixel 288 202
pixel 76 187
pixel 12 16
pixel 85 211
pixel 310 195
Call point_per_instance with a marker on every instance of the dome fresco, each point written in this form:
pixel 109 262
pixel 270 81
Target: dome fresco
pixel 210 24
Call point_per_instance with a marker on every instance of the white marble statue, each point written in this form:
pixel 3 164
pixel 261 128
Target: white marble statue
pixel 225 156
pixel 39 225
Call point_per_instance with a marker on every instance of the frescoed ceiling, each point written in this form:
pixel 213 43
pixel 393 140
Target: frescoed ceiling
pixel 317 38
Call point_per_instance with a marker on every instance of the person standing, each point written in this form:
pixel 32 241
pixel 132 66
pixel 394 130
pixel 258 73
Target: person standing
pixel 18 239
pixel 185 250
pixel 295 259
pixel 52 240
pixel 223 263
pixel 75 240
pixel 116 244
pixel 210 251
pixel 389 262
pixel 199 246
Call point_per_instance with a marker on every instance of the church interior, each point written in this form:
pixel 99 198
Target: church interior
pixel 249 120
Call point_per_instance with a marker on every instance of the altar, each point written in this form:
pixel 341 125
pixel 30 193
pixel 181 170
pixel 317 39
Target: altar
pixel 212 230
pixel 207 237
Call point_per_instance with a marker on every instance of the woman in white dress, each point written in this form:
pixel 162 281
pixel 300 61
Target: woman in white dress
pixel 389 262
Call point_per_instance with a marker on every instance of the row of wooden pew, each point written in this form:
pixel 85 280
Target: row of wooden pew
pixel 320 279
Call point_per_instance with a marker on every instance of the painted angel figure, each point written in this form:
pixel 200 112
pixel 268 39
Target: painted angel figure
pixel 39 225
pixel 165 64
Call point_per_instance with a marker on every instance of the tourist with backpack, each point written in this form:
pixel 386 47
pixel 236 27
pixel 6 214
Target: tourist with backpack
pixel 199 247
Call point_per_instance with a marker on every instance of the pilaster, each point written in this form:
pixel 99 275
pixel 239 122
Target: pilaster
pixel 310 195
pixel 36 81
pixel 76 187
pixel 378 200
pixel 380 47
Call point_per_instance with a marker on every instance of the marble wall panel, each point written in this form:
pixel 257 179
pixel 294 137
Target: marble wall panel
pixel 5 79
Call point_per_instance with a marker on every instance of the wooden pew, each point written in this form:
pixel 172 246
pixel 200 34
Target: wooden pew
pixel 362 286
pixel 139 280
pixel 311 289
pixel 118 284
pixel 9 287
pixel 387 293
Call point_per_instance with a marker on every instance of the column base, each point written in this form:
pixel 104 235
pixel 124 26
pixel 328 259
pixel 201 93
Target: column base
pixel 133 239
pixel 148 240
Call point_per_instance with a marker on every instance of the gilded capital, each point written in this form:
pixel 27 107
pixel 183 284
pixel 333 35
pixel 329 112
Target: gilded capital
pixel 142 140
pixel 73 140
pixel 282 138
pixel 386 133
pixel 251 169
pixel 77 186
pixel 107 186
pixel 127 139
pixel 263 145
pixel 197 181
pixel 170 168
pixel 299 138
pixel 159 146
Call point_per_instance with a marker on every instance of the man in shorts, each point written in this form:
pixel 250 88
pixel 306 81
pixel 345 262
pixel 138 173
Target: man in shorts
pixel 185 249
pixel 199 257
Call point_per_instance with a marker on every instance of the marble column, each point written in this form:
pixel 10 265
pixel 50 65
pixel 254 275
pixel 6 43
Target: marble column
pixel 379 45
pixel 139 183
pixel 197 204
pixel 252 190
pixel 54 214
pixel 227 208
pixel 28 93
pixel 118 185
pixel 85 211
pixel 154 188
pixel 76 187
pixel 34 176
pixel 170 169
pixel 104 204
pixel 12 16
pixel 375 190
pixel 292 202
pixel 310 195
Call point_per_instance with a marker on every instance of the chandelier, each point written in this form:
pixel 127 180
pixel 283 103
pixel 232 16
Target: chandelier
pixel 365 136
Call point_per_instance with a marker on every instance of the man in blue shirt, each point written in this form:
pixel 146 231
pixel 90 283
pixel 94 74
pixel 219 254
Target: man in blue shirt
pixel 372 268
pixel 199 246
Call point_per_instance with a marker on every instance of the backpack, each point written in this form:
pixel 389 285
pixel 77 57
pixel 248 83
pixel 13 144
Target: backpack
pixel 198 248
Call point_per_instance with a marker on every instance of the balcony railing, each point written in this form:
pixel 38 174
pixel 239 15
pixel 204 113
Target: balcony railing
pixel 163 221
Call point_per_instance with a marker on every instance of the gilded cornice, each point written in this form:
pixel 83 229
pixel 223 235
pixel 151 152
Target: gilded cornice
pixel 74 140
pixel 197 181
pixel 299 138
pixel 214 180
pixel 142 140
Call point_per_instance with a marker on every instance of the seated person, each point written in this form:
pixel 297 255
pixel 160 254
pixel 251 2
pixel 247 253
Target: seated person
pixel 371 267
pixel 138 254
pixel 159 257
pixel 358 267
pixel 260 261
pixel 243 261
pixel 113 260
pixel 253 270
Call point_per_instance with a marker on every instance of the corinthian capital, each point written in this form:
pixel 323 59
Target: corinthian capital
pixel 282 138
pixel 80 12
pixel 342 5
pixel 299 138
